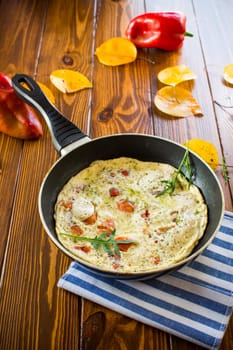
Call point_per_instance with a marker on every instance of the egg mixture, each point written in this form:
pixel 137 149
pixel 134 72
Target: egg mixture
pixel 121 202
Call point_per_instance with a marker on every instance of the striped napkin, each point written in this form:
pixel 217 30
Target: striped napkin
pixel 194 302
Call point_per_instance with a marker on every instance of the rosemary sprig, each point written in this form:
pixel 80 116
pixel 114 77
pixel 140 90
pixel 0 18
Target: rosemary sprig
pixel 225 172
pixel 185 164
pixel 106 240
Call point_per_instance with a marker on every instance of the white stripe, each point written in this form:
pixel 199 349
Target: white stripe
pixel 147 306
pixel 196 289
pixel 225 237
pixel 120 309
pixel 205 278
pixel 228 219
pixel 179 301
pixel 209 262
pixel 221 251
pixel 200 289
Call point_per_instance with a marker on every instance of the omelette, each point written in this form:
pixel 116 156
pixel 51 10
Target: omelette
pixel 116 216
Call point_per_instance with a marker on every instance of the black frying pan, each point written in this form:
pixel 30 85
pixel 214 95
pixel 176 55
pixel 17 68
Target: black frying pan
pixel 78 151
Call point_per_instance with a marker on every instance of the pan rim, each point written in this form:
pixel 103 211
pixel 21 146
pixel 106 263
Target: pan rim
pixel 134 274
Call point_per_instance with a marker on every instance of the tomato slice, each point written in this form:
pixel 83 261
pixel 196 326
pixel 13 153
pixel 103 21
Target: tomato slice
pixel 126 206
pixel 114 192
pixel 66 204
pixel 123 246
pixel 91 220
pixel 76 230
pixel 106 226
pixel 125 172
pixel 83 248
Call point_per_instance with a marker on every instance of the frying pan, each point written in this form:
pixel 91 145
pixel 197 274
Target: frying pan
pixel 77 151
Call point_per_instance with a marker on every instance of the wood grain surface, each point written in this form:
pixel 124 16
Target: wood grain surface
pixel 37 37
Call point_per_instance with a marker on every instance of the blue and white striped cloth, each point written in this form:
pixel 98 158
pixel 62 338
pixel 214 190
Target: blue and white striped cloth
pixel 194 302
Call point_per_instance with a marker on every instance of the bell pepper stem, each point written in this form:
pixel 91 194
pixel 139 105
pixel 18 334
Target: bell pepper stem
pixel 188 34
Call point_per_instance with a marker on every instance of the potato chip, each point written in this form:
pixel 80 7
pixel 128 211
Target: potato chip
pixel 116 51
pixel 68 81
pixel 175 75
pixel 48 93
pixel 206 150
pixel 177 102
pixel 228 73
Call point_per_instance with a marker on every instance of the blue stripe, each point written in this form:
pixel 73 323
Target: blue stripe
pixel 211 271
pixel 188 295
pixel 149 315
pixel 140 295
pixel 218 257
pixel 163 285
pixel 229 215
pixel 227 229
pixel 224 244
pixel 199 282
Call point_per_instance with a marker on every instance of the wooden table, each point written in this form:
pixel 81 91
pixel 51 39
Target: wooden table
pixel 37 37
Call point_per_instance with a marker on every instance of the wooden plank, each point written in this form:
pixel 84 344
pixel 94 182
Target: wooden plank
pixel 67 44
pixel 205 127
pixel 34 265
pixel 120 99
pixel 10 151
pixel 215 60
pixel 16 55
pixel 105 329
pixel 21 28
pixel 190 127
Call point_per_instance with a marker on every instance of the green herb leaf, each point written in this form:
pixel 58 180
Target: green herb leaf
pixel 105 240
pixel 187 168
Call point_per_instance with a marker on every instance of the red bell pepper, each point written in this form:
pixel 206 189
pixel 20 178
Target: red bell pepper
pixel 17 119
pixel 163 30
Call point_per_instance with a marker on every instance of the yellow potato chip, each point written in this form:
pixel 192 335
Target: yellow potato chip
pixel 177 102
pixel 48 93
pixel 206 150
pixel 228 73
pixel 175 75
pixel 116 51
pixel 68 81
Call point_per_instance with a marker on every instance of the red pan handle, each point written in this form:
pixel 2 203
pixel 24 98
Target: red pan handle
pixel 62 130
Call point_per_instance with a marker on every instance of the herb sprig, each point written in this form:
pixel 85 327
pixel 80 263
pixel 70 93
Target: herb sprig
pixel 225 172
pixel 187 168
pixel 106 240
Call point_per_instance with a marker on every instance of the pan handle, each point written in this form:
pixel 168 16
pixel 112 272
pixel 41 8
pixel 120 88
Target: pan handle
pixel 62 130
